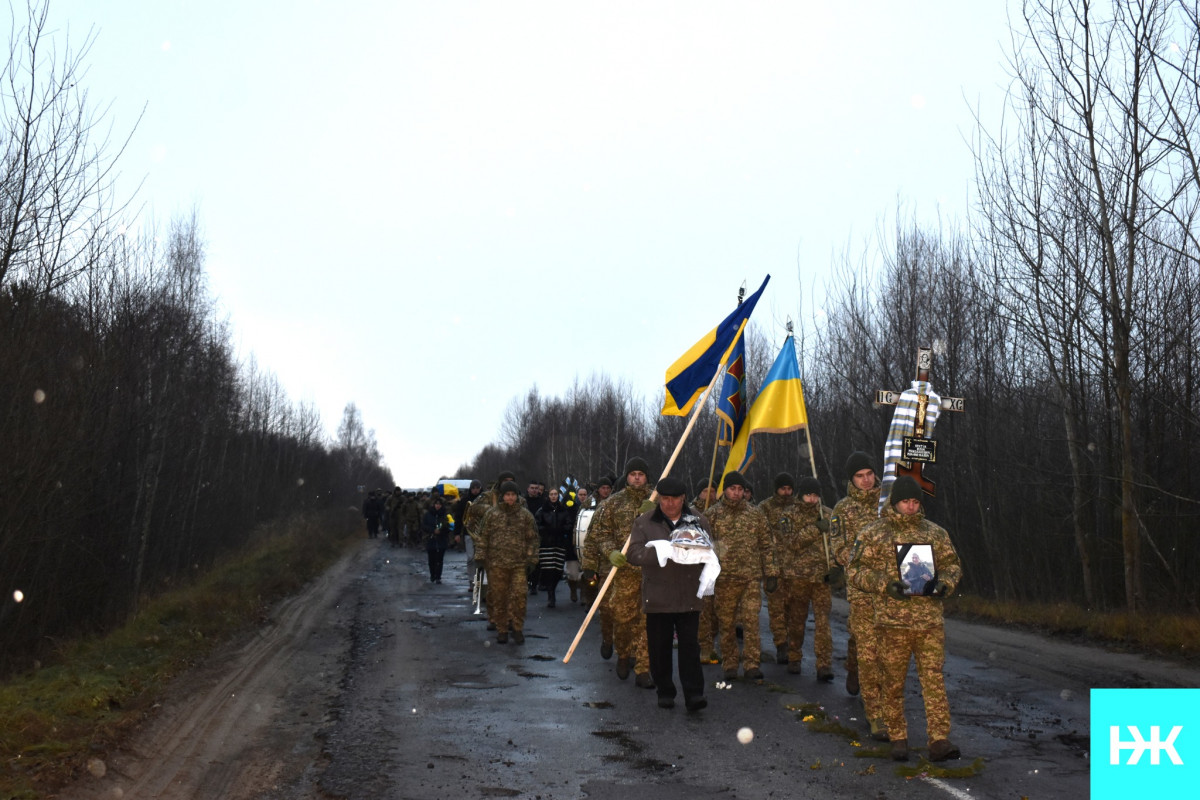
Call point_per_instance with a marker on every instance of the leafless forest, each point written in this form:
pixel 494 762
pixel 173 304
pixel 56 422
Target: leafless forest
pixel 1066 311
pixel 136 448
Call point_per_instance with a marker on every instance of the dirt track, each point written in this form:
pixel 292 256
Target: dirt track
pixel 374 683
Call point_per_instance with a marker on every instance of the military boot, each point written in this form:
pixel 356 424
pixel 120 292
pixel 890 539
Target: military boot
pixel 942 749
pixel 825 674
pixel 899 749
pixel 852 687
pixel 878 730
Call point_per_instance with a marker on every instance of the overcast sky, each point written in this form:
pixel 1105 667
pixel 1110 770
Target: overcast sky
pixel 428 207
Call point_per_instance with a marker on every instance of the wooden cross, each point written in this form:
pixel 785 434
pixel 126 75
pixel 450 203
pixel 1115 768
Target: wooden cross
pixel 918 450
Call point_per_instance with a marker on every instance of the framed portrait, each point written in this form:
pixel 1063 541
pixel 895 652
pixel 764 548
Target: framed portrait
pixel 915 568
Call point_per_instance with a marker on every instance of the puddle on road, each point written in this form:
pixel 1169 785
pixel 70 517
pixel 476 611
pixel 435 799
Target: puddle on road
pixel 526 673
pixel 598 704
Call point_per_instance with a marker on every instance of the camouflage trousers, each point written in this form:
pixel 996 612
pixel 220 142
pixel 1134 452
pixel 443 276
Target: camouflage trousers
pixel 605 611
pixel 777 617
pixel 796 596
pixel 624 598
pixel 708 627
pixel 862 653
pixel 506 597
pixel 738 602
pixel 928 647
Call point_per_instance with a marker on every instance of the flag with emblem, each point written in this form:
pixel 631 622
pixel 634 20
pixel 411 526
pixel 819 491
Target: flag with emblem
pixel 778 408
pixel 731 403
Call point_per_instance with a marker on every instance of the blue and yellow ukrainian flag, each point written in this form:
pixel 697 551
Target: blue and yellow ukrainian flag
pixel 694 370
pixel 778 408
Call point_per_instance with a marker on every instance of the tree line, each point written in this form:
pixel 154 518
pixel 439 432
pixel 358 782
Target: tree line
pixel 1065 310
pixel 137 449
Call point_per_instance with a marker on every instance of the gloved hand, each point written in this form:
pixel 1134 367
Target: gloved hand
pixel 617 559
pixel 770 583
pixel 836 577
pixel 896 589
pixel 648 505
pixel 822 525
pixel 938 588
pixel 590 578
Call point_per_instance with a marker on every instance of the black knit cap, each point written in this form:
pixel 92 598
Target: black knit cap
pixel 734 478
pixel 506 476
pixel 509 486
pixel 604 481
pixel 784 479
pixel 905 488
pixel 808 486
pixel 702 485
pixel 671 486
pixel 858 460
pixel 637 464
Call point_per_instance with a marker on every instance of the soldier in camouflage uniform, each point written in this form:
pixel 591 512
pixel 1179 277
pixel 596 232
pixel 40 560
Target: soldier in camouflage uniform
pixel 742 541
pixel 608 532
pixel 802 557
pixel 776 611
pixel 706 499
pixel 909 626
pixel 473 518
pixel 507 546
pixel 411 511
pixel 852 514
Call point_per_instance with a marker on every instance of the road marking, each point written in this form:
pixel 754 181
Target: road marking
pixel 950 790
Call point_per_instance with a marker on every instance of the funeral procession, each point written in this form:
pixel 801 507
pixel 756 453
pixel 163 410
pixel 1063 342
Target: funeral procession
pixel 600 401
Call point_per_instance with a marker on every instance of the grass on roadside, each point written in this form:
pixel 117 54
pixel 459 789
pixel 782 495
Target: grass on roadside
pixel 54 718
pixel 1172 635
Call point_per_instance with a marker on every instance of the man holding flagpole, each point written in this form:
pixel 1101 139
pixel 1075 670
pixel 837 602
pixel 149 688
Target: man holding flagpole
pixel 609 529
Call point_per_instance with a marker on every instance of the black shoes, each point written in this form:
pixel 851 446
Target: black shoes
pixel 666 702
pixel 644 681
pixel 696 703
pixel 824 674
pixel 622 668
pixel 502 637
pixel 518 637
pixel 754 674
pixel 606 650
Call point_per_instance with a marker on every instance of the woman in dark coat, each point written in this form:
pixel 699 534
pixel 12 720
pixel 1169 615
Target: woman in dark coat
pixel 554 521
pixel 435 529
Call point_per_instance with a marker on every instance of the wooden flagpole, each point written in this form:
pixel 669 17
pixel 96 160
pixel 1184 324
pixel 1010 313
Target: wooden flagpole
pixel 653 494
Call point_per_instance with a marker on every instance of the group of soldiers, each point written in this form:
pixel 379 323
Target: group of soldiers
pixel 792 547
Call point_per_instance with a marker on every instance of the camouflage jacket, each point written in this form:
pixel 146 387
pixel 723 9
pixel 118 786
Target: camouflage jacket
pixel 507 537
pixel 854 512
pixel 799 545
pixel 742 540
pixel 875 566
pixel 611 525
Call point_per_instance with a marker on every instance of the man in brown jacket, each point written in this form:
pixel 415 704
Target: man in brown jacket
pixel 671 591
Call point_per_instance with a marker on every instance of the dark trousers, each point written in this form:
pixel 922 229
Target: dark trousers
pixel 661 632
pixel 436 557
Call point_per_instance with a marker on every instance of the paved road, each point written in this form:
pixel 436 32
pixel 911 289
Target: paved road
pixel 376 683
